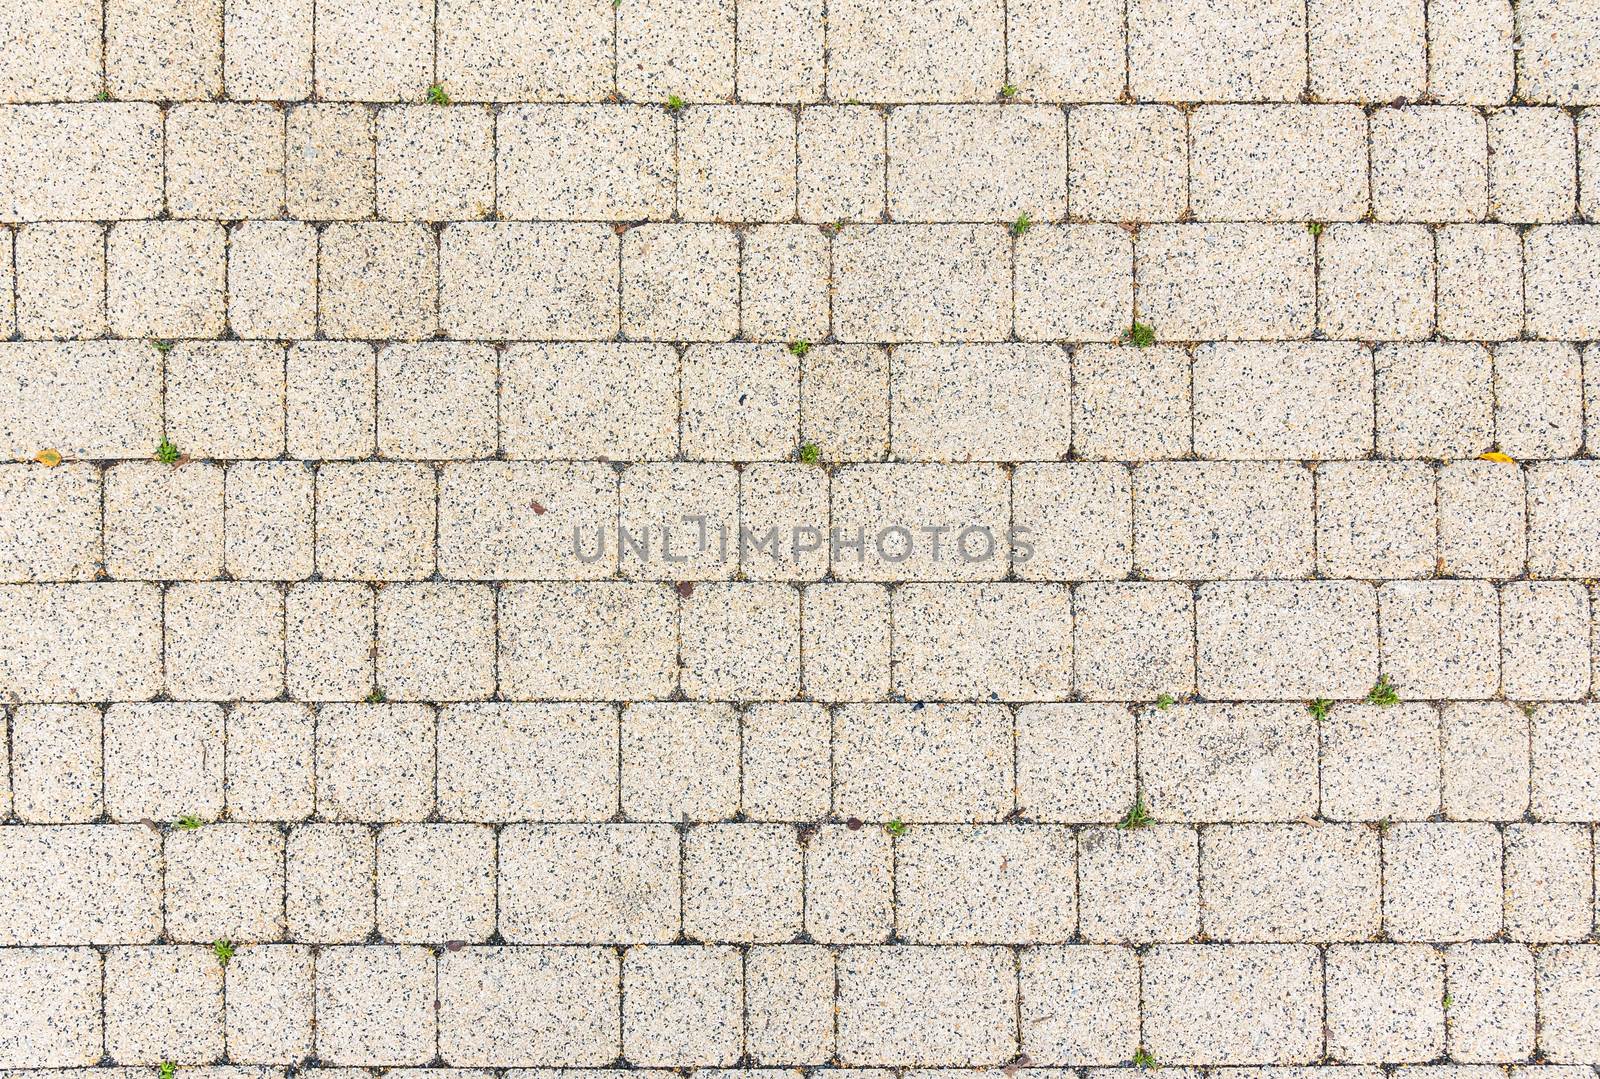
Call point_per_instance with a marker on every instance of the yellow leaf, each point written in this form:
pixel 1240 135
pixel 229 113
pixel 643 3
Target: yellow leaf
pixel 48 458
pixel 1501 458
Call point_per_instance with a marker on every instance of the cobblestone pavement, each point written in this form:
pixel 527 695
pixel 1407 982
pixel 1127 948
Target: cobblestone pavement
pixel 1022 535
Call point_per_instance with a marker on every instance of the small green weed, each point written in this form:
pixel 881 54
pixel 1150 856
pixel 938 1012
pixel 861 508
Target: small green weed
pixel 1143 1059
pixel 167 453
pixel 103 95
pixel 799 348
pixel 223 950
pixel 377 696
pixel 1314 227
pixel 896 828
pixel 437 96
pixel 1138 816
pixel 1008 91
pixel 1320 708
pixel 1383 692
pixel 162 347
pixel 809 453
pixel 1022 224
pixel 188 822
pixel 1142 335
pixel 1165 701
pixel 168 1069
pixel 674 103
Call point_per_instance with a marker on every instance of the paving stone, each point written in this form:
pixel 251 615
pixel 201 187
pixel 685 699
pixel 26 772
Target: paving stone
pixel 782 519
pixel 376 280
pixel 1442 881
pixel 963 642
pixel 375 520
pixel 739 402
pixel 330 168
pixel 668 274
pixel 1485 752
pixel 1073 282
pixel 1283 162
pixel 1434 400
pixel 789 1003
pixel 329 641
pixel 567 401
pixel 786 761
pixel 224 160
pixel 1563 737
pixel 528 1004
pixel 272 279
pixel 1385 1002
pixel 270 765
pixel 1491 1013
pixel 1375 519
pixel 680 760
pixel 268 993
pixel 163 761
pixel 1558 543
pixel 986 884
pixel 375 1004
pixel 163 1003
pixel 963 163
pixel 1132 405
pixel 1268 640
pixel 556 641
pixel 1290 882
pixel 683 49
pixel 921 283
pixel 225 882
pixel 1554 66
pixel 849 885
pixel 1439 638
pixel 921 762
pixel 1250 400
pixel 1071 522
pixel 1078 1003
pixel 225 398
pixel 1377 56
pixel 1478 270
pixel 1482 516
pixel 435 163
pixel 373 52
pixel 1544 637
pixel 54 1009
pixel 104 642
pixel 88 884
pixel 55 51
pixel 1375 282
pixel 1127 162
pixel 507 762
pixel 1075 762
pixel 742 882
pixel 1549 882
pixel 779 51
pixel 1228 762
pixel 1118 869
pixel 681 1003
pixel 492 50
pixel 55 763
pixel 163 49
pixel 436 882
pixel 1377 762
pixel 1566 979
pixel 950 51
pixel 964 1011
pixel 1558 259
pixel 224 641
pixel 101 163
pixel 1471 51
pixel 1233 1003
pixel 840 163
pixel 1133 640
pixel 980 402
pixel 60 280
pixel 51 526
pixel 375 762
pixel 1182 50
pixel 329 883
pixel 165 279
pixel 267 514
pixel 1192 281
pixel 1195 520
pixel 267 49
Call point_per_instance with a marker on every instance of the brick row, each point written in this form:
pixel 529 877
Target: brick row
pixel 1196 763
pixel 498 281
pixel 669 1006
pixel 712 50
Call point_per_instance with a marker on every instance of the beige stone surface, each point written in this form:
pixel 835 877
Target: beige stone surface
pixel 756 539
